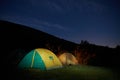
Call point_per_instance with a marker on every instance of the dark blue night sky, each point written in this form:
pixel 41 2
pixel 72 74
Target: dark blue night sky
pixel 97 21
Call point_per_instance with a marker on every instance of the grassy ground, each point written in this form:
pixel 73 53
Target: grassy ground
pixel 69 73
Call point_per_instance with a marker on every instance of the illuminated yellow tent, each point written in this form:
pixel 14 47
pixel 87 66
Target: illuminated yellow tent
pixel 68 59
pixel 40 58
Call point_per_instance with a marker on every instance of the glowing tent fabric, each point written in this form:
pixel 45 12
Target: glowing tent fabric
pixel 68 59
pixel 40 58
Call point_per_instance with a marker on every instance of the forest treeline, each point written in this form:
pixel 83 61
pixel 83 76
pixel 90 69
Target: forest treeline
pixel 90 54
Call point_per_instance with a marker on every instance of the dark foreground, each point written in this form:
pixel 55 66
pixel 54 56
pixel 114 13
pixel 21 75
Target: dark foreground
pixel 67 73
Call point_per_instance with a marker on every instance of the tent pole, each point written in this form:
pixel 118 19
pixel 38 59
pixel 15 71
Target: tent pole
pixel 33 59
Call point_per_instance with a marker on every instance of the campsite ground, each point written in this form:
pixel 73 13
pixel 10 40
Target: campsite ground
pixel 69 73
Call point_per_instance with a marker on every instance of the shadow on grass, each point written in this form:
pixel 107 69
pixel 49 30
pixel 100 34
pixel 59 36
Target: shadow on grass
pixel 68 73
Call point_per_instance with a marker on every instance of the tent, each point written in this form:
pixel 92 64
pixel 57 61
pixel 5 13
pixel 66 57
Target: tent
pixel 40 58
pixel 68 59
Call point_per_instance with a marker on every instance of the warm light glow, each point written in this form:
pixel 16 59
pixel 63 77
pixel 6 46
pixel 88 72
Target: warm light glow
pixel 68 59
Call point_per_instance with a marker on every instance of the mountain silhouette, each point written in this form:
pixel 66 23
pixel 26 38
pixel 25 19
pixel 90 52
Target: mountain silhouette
pixel 15 36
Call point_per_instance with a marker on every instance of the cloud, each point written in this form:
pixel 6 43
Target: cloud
pixel 54 6
pixel 67 6
pixel 47 5
pixel 61 6
pixel 33 22
pixel 50 25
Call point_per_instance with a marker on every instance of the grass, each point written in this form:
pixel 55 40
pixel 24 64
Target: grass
pixel 68 73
